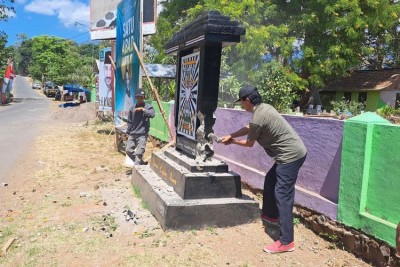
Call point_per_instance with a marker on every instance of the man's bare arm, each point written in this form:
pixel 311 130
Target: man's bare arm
pixel 241 132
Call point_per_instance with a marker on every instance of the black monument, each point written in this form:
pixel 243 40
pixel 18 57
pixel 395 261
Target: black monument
pixel 187 187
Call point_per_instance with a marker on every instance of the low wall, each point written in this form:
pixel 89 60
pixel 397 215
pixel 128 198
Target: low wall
pixel 318 181
pixel 367 168
pixel 158 128
pixel 369 183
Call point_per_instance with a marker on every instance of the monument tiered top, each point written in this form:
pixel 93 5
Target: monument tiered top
pixel 210 27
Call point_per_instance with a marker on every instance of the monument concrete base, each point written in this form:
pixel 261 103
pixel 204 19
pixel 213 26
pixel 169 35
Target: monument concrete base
pixel 185 194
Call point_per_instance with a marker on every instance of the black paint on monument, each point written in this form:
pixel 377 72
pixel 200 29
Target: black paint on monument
pixel 198 47
pixel 186 187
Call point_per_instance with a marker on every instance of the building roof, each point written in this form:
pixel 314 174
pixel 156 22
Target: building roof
pixel 367 80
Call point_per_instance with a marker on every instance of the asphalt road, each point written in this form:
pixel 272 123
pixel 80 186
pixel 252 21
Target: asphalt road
pixel 20 123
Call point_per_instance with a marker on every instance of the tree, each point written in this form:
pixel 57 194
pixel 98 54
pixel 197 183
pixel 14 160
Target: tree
pixel 318 40
pixel 23 54
pixel 5 9
pixel 49 58
pixel 46 51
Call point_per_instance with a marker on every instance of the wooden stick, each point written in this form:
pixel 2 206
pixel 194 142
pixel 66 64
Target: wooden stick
pixel 116 135
pixel 112 62
pixel 7 246
pixel 153 89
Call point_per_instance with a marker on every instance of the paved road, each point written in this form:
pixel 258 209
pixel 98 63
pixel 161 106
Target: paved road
pixel 20 122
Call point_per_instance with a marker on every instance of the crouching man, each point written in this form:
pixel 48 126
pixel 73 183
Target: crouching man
pixel 138 128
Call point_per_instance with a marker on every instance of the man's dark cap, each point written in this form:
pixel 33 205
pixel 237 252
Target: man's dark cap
pixel 246 91
pixel 139 92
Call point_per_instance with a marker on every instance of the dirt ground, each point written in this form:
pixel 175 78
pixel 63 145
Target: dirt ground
pixel 67 202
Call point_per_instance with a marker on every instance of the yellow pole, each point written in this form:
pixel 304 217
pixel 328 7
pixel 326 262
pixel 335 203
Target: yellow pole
pixel 153 89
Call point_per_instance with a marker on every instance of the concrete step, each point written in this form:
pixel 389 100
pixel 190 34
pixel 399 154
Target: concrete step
pixel 195 185
pixel 191 165
pixel 173 212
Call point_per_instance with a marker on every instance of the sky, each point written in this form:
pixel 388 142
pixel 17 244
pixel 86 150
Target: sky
pixel 67 19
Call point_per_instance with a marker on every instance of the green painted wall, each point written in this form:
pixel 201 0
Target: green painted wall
pixel 158 128
pixel 372 100
pixel 380 102
pixel 339 96
pixel 354 96
pixel 370 176
pixel 93 94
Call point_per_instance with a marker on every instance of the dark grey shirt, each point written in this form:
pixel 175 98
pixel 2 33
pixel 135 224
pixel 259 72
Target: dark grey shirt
pixel 275 135
pixel 139 121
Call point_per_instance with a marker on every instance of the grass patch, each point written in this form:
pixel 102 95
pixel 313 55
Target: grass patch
pixel 296 221
pixel 5 234
pixel 105 221
pixel 138 194
pixel 145 205
pixel 136 191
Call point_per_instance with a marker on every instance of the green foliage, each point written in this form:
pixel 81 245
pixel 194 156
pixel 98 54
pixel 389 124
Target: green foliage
pixel 23 54
pixel 146 234
pixel 387 110
pixel 228 90
pixel 344 106
pixel 275 87
pixel 165 88
pixel 229 85
pixel 6 9
pixel 5 53
pixel 48 58
pixel 317 40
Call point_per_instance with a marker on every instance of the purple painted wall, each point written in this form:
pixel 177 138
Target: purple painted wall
pixel 318 181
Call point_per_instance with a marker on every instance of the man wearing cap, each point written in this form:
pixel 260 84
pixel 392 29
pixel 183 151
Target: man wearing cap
pixel 138 128
pixel 282 143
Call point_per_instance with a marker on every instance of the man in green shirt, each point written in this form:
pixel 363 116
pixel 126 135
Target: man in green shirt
pixel 282 143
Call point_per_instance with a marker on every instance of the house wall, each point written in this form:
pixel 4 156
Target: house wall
pixel 318 181
pixel 354 96
pixel 339 96
pixel 373 98
pixel 389 97
pixel 369 178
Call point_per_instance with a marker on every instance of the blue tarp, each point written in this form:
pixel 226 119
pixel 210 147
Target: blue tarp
pixel 68 105
pixel 76 88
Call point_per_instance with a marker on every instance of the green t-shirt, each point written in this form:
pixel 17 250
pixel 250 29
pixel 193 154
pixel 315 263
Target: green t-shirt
pixel 275 135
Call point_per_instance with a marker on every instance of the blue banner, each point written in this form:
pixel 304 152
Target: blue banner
pixel 127 62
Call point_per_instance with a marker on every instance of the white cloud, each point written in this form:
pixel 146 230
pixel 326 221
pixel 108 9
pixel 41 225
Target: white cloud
pixel 67 11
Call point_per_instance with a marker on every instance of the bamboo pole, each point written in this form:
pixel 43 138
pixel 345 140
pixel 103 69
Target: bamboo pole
pixel 153 89
pixel 112 62
pixel 116 141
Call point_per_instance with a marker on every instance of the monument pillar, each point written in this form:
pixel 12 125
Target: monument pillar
pixel 198 47
pixel 185 187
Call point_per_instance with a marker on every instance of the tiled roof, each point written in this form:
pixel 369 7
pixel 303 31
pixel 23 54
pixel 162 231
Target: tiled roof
pixel 367 80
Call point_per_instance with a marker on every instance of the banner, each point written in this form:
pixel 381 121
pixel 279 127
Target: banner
pixel 103 18
pixel 128 65
pixel 188 93
pixel 105 80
